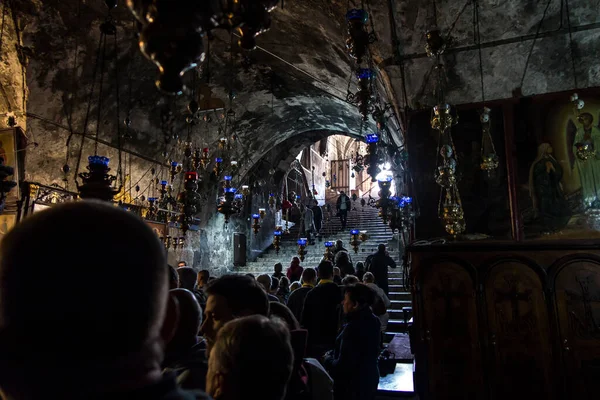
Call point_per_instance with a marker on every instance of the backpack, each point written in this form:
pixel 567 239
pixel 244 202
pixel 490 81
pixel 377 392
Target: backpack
pixel 378 305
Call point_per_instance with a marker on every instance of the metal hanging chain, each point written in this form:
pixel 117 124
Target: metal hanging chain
pixel 2 28
pixel 571 43
pixel 477 37
pixel 118 102
pixel 89 108
pixel 370 13
pixel 69 116
pixel 461 12
pixel 435 16
pixel 99 114
pixel 537 34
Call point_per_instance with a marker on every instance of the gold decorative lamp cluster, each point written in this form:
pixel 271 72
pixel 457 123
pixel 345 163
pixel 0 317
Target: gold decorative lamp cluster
pixel 328 255
pixel 173 242
pixel 450 207
pixel 355 240
pixel 277 239
pixel 489 158
pixel 584 150
pixel 302 242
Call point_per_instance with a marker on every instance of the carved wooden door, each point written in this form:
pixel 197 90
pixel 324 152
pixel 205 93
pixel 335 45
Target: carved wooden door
pixel 518 340
pixel 450 332
pixel 577 306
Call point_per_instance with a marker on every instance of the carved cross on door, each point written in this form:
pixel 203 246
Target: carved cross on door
pixel 448 294
pixel 587 298
pixel 515 297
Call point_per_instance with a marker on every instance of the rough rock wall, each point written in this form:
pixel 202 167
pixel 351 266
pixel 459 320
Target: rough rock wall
pixel 13 63
pixel 550 67
pixel 288 95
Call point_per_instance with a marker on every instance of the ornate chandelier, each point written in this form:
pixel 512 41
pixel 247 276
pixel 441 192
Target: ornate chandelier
pixel 171 32
pixel 97 183
pixel 357 38
pixel 372 158
pixel 363 97
pixel 189 200
pixel 229 202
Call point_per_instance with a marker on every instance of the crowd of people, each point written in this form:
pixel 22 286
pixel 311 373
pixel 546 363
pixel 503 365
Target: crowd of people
pixel 95 312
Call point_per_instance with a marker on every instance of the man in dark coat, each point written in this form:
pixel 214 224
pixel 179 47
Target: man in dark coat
pixel 296 300
pixel 317 216
pixel 321 312
pixel 343 205
pixel 378 264
pixel 353 363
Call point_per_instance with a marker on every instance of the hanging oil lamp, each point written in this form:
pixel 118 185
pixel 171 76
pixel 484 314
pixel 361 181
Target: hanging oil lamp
pixel 97 183
pixel 357 38
pixel 245 190
pixel 328 255
pixel 217 168
pixel 262 213
pixel 163 189
pixel 152 208
pixel 223 143
pixel 578 104
pixel 256 223
pixel 175 169
pixel 584 150
pixel 234 166
pixel 435 43
pixel 205 158
pixel 442 118
pixel 362 98
pixel 384 201
pixel 228 204
pixel 277 239
pixel 372 157
pixel 354 239
pixel 489 158
pixel 453 215
pixel 271 200
pixel 189 200
pixel 302 248
pixel 445 175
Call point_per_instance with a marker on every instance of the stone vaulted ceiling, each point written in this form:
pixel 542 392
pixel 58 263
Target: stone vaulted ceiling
pixel 296 82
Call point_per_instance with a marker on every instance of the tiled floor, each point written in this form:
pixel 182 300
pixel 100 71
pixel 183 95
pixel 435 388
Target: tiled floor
pixel 400 381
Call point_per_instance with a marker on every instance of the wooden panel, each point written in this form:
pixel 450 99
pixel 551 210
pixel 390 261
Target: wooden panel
pixel 520 355
pixel 577 302
pixel 340 175
pixel 451 338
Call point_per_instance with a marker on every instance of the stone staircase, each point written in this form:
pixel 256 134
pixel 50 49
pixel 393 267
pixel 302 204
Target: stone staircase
pixel 363 218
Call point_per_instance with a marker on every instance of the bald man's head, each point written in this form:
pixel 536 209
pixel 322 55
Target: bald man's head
pixel 80 283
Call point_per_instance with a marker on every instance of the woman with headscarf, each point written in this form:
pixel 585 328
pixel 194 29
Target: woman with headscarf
pixel 294 272
pixel 545 189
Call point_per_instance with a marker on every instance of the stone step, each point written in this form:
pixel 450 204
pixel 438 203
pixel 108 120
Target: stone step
pixel 398 314
pixel 400 295
pixel 397 326
pixel 398 304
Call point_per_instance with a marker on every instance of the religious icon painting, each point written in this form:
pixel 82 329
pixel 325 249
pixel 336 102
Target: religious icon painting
pixel 558 166
pixel 161 230
pixel 11 140
pixel 7 222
